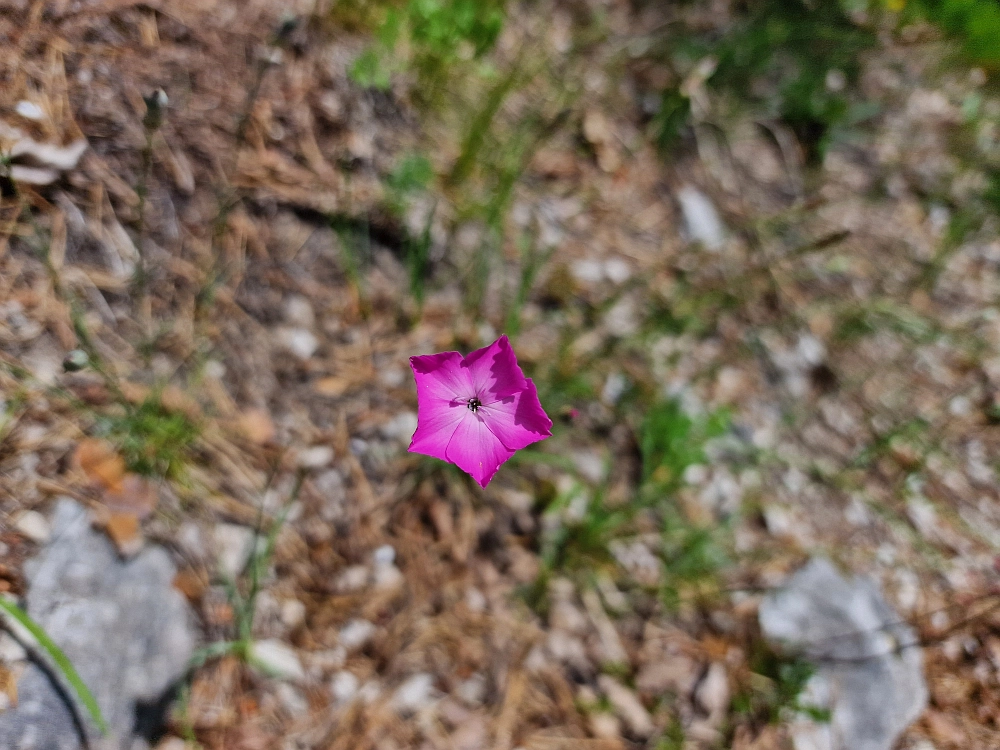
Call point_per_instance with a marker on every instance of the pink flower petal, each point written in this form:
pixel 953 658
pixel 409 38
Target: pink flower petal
pixel 442 377
pixel 518 420
pixel 494 371
pixel 436 423
pixel 476 450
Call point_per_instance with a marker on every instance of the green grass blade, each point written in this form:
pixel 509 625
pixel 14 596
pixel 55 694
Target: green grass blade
pixel 60 659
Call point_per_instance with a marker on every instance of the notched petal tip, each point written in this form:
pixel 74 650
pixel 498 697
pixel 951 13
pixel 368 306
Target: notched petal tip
pixel 494 370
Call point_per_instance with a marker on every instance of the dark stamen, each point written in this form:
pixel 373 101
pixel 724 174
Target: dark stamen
pixel 474 404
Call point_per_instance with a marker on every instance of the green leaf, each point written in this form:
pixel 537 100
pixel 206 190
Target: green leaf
pixel 370 71
pixel 60 659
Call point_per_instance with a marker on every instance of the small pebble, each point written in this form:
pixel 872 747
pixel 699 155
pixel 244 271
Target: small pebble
pixel 278 659
pixel 415 693
pixel 293 613
pixel 401 427
pixel 605 726
pixel 315 457
pixel 300 342
pixel 628 707
pixel 234 545
pixel 617 270
pixel 384 555
pixel 472 691
pixel 30 110
pixel 475 600
pixel 292 700
pixel 344 686
pixel 11 649
pixel 326 661
pixel 370 692
pixel 701 218
pixel 356 633
pixel 392 377
pixel 713 692
pixel 34 526
pixel 299 312
pixel 388 578
pixel 352 578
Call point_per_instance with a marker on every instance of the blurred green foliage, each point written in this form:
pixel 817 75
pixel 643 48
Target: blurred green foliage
pixel 669 442
pixel 975 23
pixel 798 61
pixel 691 554
pixel 791 59
pixel 775 688
pixel 429 38
pixel 153 440
pixel 411 175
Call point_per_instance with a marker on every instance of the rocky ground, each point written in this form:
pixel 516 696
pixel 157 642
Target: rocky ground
pixel 751 359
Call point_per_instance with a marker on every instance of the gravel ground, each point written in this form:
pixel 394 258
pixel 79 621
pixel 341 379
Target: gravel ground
pixel 833 312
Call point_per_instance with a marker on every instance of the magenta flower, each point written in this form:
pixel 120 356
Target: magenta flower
pixel 476 411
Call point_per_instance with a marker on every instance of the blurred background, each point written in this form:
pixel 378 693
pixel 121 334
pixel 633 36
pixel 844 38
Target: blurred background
pixel 747 250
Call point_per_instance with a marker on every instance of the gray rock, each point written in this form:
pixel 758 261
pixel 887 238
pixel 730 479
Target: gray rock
pixel 121 623
pixel 701 219
pixel 33 525
pixel 869 662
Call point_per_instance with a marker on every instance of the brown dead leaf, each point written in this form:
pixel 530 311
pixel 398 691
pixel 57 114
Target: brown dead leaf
pixel 123 529
pixel 716 649
pixel 257 426
pixel 191 583
pixel 219 614
pixel 98 459
pixel 8 686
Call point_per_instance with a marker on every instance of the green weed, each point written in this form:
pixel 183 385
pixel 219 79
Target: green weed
pixel 691 555
pixel 243 595
pixel 857 321
pixel 670 441
pixel 153 440
pixel 61 661
pixel 437 36
pixel 583 544
pixel 975 23
pixel 356 251
pixel 776 687
pixel 412 175
pixel 532 262
pixel 673 738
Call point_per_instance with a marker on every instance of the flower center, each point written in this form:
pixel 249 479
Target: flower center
pixel 474 404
